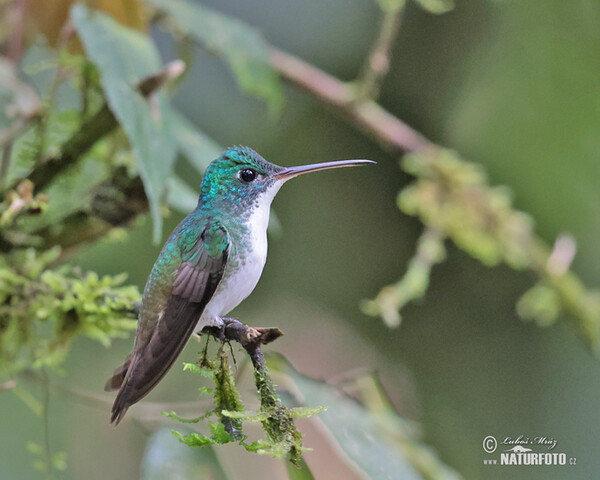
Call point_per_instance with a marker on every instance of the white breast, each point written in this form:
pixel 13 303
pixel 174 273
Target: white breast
pixel 239 280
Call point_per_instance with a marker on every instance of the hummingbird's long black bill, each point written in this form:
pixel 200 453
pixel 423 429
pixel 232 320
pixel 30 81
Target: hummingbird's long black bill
pixel 315 167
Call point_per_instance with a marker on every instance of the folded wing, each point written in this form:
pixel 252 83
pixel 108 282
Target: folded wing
pixel 195 283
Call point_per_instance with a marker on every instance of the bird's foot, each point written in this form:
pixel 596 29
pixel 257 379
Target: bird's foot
pixel 247 336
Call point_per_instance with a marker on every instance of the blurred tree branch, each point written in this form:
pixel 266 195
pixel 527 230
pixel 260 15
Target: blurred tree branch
pixel 391 132
pixel 116 201
pixel 451 197
pixel 352 101
pixel 496 230
pixel 99 125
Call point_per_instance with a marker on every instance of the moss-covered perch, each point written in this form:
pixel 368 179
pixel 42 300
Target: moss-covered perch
pixel 283 438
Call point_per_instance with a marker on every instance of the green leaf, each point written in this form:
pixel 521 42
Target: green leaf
pixel 305 412
pixel 123 57
pixel 165 459
pixel 195 145
pixel 17 98
pixel 194 439
pixel 180 195
pixel 249 415
pixel 242 47
pixel 219 434
pixel 300 472
pixel 437 6
pixel 375 438
pixel 540 303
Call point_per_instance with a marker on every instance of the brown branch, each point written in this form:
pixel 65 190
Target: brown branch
pixel 392 133
pixel 251 338
pixel 279 423
pixel 397 137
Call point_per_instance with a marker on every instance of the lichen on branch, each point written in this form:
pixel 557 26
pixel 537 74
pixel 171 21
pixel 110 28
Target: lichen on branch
pixel 283 439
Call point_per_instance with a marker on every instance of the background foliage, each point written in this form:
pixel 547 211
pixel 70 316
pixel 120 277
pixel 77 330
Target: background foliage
pixel 509 85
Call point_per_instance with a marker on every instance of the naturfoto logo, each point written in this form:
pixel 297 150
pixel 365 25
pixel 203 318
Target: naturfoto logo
pixel 522 451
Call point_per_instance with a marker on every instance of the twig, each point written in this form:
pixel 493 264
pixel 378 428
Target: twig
pixel 377 64
pixel 392 133
pixel 414 283
pixel 252 339
pixel 397 137
pixel 248 337
pixel 8 385
pixel 5 160
pixel 145 412
pixel 279 422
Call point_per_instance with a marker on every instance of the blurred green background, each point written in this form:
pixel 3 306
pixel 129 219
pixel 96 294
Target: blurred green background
pixel 513 85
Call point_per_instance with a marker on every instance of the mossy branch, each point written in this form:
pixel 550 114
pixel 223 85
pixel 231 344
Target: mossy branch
pixel 283 438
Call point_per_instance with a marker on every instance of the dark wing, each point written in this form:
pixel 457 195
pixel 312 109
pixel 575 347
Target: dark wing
pixel 195 283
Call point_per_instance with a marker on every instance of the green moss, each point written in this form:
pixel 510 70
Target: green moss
pixel 43 308
pixel 283 439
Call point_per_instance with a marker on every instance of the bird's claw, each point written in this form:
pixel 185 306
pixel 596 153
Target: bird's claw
pixel 222 336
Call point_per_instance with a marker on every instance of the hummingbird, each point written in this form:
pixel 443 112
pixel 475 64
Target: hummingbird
pixel 210 263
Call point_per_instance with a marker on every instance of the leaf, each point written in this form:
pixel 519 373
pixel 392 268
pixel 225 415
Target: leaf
pixel 17 98
pixel 436 6
pixel 242 47
pixel 391 5
pixel 203 372
pixel 50 18
pixel 300 472
pixel 165 459
pixel 248 415
pixel 180 195
pixel 124 57
pixel 376 438
pixel 540 303
pixel 194 439
pixel 219 436
pixel 305 412
pixel 195 145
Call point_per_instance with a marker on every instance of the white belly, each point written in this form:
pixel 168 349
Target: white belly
pixel 239 280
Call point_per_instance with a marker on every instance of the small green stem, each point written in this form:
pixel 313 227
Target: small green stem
pixel 47 450
pixel 377 63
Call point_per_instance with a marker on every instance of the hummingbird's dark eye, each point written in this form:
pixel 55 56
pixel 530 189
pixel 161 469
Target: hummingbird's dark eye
pixel 247 175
